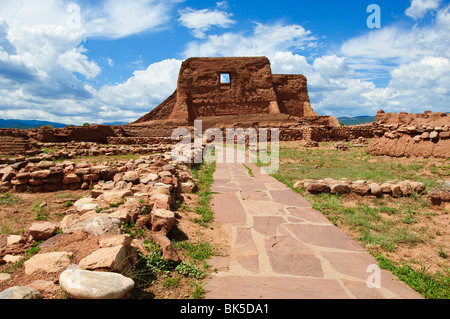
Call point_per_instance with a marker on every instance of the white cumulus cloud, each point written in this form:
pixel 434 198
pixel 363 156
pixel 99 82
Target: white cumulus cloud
pixel 419 8
pixel 201 21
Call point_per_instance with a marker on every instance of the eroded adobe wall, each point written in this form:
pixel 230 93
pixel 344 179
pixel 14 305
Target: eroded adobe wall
pixel 292 94
pixel 411 135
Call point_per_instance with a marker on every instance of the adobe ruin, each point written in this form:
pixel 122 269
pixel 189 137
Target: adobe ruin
pixel 212 87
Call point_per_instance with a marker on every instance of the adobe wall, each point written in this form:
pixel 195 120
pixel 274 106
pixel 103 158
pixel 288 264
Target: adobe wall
pixel 92 133
pixel 411 135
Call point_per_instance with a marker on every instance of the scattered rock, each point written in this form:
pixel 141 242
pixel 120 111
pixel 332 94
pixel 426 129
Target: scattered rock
pixel 42 230
pixel 4 277
pixel 19 292
pixel 168 251
pixel 48 262
pixel 108 258
pixel 101 225
pixel 162 220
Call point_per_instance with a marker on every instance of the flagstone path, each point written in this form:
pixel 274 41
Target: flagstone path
pixel 281 248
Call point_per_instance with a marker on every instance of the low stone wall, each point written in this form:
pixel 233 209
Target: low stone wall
pixel 361 187
pixel 411 135
pixel 42 172
pixel 49 176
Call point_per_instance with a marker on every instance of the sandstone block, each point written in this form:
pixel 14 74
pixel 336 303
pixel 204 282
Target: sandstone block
pixel 340 188
pixel 162 220
pixel 375 189
pixel 71 178
pixel 40 174
pixel 316 188
pixel 360 188
pixel 108 258
pixel 48 262
pixel 116 197
pixel 168 251
pixel 42 230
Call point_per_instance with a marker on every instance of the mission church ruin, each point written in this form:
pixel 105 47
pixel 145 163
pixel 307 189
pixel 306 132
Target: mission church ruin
pixel 211 87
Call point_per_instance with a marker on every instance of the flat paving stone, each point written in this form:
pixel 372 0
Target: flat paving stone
pixel 264 208
pixel 245 251
pixel 268 225
pixel 324 236
pixel 227 208
pixel 288 256
pixel 308 214
pixel 255 195
pixel 289 198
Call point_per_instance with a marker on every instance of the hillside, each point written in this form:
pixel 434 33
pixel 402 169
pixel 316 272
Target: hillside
pixel 28 124
pixel 356 120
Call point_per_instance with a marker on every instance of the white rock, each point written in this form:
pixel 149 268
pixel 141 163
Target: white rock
pixel 12 259
pixel 101 225
pixel 84 284
pixel 85 204
pixel 4 277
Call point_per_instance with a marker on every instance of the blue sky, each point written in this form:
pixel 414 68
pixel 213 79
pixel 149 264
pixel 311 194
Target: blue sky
pixel 105 61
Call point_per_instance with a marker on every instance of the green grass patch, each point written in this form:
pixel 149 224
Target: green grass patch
pixel 10 199
pixel 198 251
pixel 39 210
pixel 203 175
pixel 430 286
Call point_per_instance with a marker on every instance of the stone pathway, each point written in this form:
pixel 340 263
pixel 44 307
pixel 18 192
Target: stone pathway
pixel 281 248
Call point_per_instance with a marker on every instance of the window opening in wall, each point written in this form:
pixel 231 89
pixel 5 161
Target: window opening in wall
pixel 225 78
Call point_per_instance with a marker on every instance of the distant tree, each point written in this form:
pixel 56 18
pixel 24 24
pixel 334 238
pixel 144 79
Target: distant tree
pixel 47 126
pixel 86 124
